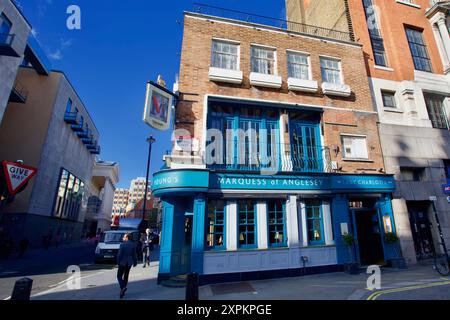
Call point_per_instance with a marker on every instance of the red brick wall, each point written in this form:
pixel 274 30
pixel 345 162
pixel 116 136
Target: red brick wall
pixel 393 18
pixel 194 81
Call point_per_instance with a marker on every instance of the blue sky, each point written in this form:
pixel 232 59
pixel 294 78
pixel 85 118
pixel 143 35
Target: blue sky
pixel 122 45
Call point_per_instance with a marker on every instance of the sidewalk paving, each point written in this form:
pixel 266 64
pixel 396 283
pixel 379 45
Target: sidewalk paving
pixel 331 286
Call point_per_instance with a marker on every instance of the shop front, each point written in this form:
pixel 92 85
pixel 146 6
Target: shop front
pixel 230 227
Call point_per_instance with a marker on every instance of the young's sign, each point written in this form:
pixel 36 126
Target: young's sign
pixel 17 175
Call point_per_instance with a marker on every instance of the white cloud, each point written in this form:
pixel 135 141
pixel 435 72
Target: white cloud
pixel 57 55
pixel 34 32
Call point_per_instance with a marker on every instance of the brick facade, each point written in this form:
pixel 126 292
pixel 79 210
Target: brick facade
pixel 340 114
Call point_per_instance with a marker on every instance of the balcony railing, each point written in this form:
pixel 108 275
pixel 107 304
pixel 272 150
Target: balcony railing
pixel 270 158
pixel 83 134
pixel 6 47
pixel 273 22
pixel 95 150
pixel 71 117
pixel 88 141
pixel 78 127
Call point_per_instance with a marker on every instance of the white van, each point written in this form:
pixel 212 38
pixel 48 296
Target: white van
pixel 109 244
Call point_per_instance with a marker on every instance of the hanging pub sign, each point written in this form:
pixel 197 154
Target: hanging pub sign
pixel 17 175
pixel 158 105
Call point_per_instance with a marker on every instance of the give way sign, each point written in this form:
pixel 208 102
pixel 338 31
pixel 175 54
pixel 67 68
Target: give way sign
pixel 17 175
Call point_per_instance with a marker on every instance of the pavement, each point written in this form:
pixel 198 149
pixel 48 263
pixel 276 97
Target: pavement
pixel 48 269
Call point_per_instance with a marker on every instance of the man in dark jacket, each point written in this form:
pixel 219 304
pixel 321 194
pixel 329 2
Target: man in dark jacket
pixel 126 258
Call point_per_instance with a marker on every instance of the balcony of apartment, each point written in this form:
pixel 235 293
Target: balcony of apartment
pixel 88 140
pixel 93 148
pixel 18 93
pixel 6 45
pixel 84 133
pixel 78 126
pixel 276 157
pixel 71 118
pixel 263 21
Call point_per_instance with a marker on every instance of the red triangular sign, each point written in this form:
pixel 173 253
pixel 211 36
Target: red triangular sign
pixel 17 175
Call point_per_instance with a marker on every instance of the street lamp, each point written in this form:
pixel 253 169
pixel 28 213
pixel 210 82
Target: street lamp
pixel 150 141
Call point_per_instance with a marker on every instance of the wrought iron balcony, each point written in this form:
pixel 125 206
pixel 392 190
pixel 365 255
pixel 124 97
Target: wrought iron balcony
pixel 95 150
pixel 6 48
pixel 273 22
pixel 271 158
pixel 71 117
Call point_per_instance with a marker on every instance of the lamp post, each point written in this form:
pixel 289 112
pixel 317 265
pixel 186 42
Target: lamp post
pixel 150 141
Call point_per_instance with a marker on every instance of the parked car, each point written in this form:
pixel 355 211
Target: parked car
pixel 109 244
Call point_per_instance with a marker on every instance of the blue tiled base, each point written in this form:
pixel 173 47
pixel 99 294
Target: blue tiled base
pixel 266 274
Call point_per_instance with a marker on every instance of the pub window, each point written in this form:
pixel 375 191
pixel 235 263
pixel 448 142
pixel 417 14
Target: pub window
pixel 276 218
pixel 225 55
pixel 263 60
pixel 215 238
pixel 247 223
pixel 314 220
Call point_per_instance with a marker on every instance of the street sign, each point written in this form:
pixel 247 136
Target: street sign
pixel 17 175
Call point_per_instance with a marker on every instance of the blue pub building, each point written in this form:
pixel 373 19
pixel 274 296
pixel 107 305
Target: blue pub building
pixel 298 165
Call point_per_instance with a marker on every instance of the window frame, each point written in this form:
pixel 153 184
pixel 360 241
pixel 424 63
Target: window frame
pixel 299 53
pixel 238 53
pixel 423 44
pixel 443 112
pixel 283 212
pixel 375 36
pixel 349 135
pixel 255 224
pixel 313 219
pixel 339 61
pixel 267 48
pixel 223 225
pixel 395 106
pixel 70 205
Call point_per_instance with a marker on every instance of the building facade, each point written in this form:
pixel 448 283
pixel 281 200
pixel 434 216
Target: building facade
pixel 289 155
pixel 53 132
pixel 14 34
pixel 137 192
pixel 105 176
pixel 120 202
pixel 406 47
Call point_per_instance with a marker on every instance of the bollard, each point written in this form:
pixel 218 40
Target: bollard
pixel 22 289
pixel 192 287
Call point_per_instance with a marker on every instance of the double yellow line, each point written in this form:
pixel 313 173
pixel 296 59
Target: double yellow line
pixel 377 294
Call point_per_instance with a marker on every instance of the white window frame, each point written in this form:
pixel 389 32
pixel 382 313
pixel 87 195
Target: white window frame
pixel 233 42
pixel 308 57
pixel 339 61
pixel 396 107
pixel 275 57
pixel 350 135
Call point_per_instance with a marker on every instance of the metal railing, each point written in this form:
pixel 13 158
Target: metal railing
pixel 6 39
pixel 238 156
pixel 273 22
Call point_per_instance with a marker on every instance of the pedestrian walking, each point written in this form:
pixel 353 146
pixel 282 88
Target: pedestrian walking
pixel 126 258
pixel 147 247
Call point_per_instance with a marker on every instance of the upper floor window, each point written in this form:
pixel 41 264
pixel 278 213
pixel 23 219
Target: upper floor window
pixel 388 99
pixel 5 28
pixel 355 147
pixel 263 60
pixel 216 224
pixel 247 223
pixel 298 65
pixel 331 70
pixel 69 195
pixel 375 34
pixel 418 50
pixel 412 174
pixel 436 111
pixel 69 106
pixel 225 55
pixel 276 222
